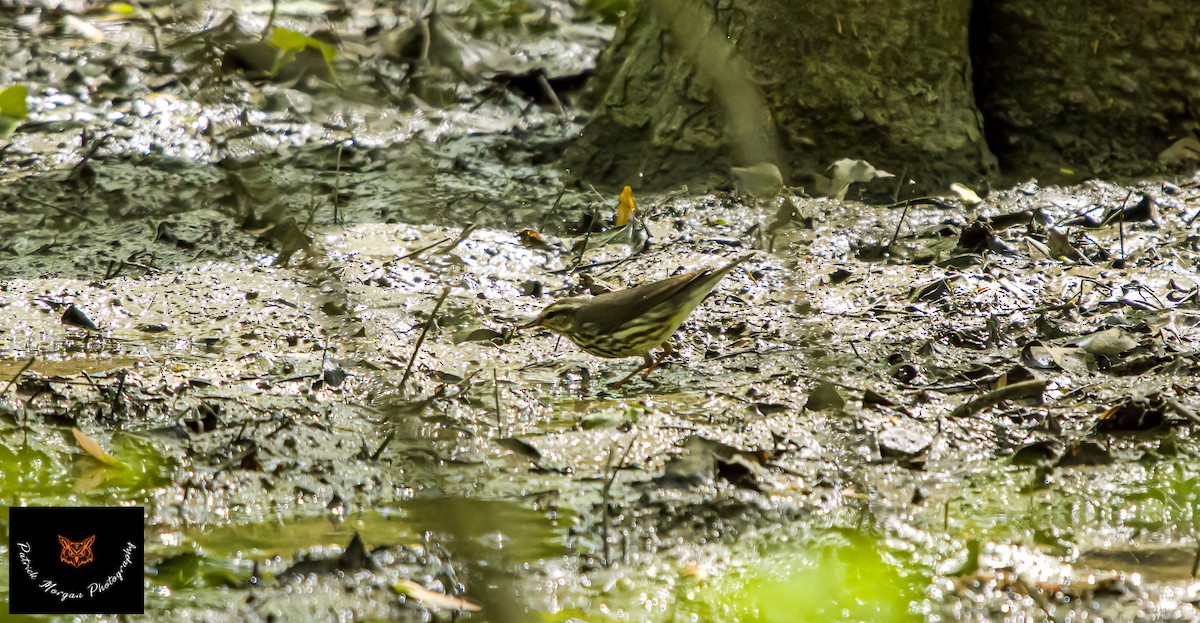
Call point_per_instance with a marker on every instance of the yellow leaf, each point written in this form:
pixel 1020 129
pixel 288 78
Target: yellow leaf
pixel 430 599
pixel 969 197
pixel 90 446
pixel 626 207
pixel 292 41
pixel 12 101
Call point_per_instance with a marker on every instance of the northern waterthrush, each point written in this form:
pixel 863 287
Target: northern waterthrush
pixel 633 322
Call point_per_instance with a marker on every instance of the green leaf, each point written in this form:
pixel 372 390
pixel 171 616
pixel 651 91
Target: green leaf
pixel 12 101
pixel 292 41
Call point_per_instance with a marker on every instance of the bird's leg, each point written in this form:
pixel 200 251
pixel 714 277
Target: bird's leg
pixel 653 363
pixel 649 365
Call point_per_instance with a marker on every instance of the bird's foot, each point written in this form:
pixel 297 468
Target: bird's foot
pixel 650 365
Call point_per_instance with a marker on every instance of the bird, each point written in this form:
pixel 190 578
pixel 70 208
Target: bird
pixel 632 322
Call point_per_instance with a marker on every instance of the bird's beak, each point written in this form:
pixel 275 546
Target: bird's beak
pixel 536 322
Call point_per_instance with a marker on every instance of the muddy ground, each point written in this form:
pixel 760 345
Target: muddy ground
pixel 934 409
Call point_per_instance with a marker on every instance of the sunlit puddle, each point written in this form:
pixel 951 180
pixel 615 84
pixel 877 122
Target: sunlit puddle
pixel 994 532
pixel 1133 519
pixel 470 535
pixel 48 467
pixel 832 575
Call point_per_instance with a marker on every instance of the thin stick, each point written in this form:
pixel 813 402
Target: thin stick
pixel 496 398
pixel 1121 230
pixel 558 201
pixel 1196 560
pixel 903 215
pixel 900 184
pixel 1024 389
pixel 549 92
pixel 337 176
pixel 18 375
pixel 421 338
pixel 1177 406
pixel 604 491
pixel 386 440
pixel 422 249
pixel 270 20
pixel 67 211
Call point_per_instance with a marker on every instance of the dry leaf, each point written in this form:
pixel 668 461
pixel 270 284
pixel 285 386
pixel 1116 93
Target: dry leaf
pixel 1060 247
pixel 1182 150
pixel 761 180
pixel 533 240
pixel 966 195
pixel 89 445
pixel 430 599
pixel 625 208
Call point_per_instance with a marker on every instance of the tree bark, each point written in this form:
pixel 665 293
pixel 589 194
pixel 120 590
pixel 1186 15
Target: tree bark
pixel 1070 89
pixel 887 82
pixel 1075 89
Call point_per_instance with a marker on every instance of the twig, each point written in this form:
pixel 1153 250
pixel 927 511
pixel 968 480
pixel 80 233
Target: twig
pixel 604 492
pixel 1121 231
pixel 1016 390
pixel 386 440
pixel 17 375
pixel 1175 405
pixel 270 20
pixel 1196 560
pixel 557 202
pixel 337 176
pixel 454 242
pixel 496 399
pixel 900 184
pixel 88 153
pixel 903 215
pixel 549 92
pixel 67 211
pixel 421 250
pixel 421 338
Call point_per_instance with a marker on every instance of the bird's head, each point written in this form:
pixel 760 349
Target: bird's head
pixel 558 316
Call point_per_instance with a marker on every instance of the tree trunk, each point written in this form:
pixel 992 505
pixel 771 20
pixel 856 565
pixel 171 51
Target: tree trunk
pixel 1075 89
pixel 688 89
pixel 880 81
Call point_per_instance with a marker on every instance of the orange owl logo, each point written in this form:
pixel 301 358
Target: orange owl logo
pixel 76 553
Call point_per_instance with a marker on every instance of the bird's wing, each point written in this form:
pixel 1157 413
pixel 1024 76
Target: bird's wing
pixel 616 308
pixel 649 295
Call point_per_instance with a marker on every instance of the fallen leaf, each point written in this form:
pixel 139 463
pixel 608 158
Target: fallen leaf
pixel 1182 150
pixel 1060 247
pixel 533 240
pixel 1109 342
pixel 89 445
pixel 432 600
pixel 626 206
pixel 476 334
pixel 966 195
pixel 845 172
pixel 292 41
pixel 12 101
pixel 762 180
